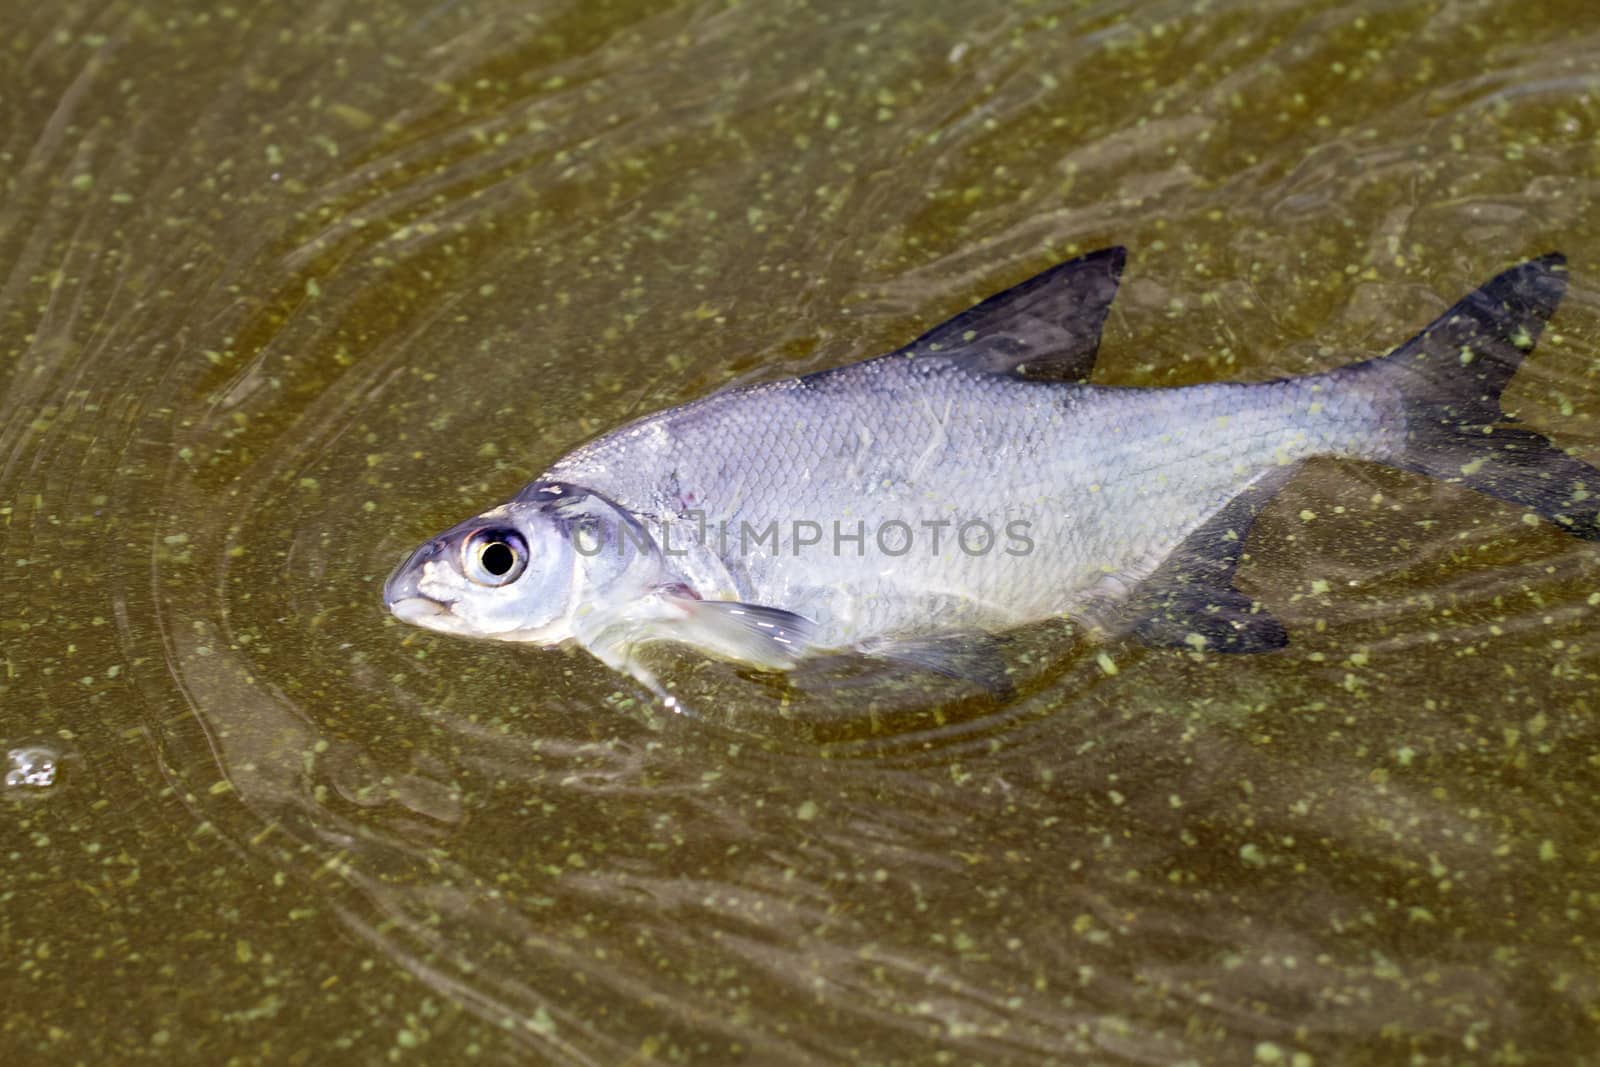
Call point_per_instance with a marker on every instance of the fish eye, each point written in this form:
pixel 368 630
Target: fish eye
pixel 494 556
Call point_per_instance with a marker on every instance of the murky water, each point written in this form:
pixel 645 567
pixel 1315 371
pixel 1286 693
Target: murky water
pixel 284 290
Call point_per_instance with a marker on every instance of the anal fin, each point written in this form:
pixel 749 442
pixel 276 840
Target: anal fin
pixel 1191 602
pixel 1210 619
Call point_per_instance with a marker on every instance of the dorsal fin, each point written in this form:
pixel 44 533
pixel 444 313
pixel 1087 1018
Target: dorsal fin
pixel 1048 327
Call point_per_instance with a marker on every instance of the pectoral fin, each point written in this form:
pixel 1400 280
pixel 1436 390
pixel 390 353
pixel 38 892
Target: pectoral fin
pixel 769 638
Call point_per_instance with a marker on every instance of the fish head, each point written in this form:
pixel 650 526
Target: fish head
pixel 524 570
pixel 506 574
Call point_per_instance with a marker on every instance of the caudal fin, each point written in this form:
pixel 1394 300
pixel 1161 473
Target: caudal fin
pixel 1450 377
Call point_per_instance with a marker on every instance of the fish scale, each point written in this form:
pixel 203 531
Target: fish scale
pixel 1109 480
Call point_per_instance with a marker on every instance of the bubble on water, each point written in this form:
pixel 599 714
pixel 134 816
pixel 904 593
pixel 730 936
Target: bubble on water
pixel 33 767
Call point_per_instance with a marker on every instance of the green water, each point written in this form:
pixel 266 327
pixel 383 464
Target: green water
pixel 284 290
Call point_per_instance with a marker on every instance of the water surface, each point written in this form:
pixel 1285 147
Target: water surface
pixel 284 290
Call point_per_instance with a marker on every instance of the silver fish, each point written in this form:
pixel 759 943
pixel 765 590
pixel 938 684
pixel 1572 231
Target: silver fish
pixel 971 482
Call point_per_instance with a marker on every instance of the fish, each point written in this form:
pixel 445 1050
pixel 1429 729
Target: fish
pixel 917 506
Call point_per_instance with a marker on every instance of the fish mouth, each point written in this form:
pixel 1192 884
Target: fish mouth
pixel 403 595
pixel 417 609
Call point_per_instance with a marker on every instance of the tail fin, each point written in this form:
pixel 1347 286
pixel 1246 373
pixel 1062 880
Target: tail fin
pixel 1450 377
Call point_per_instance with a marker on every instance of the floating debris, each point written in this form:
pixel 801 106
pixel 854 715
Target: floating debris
pixel 33 767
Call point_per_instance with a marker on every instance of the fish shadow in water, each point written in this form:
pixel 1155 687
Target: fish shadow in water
pixel 868 707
